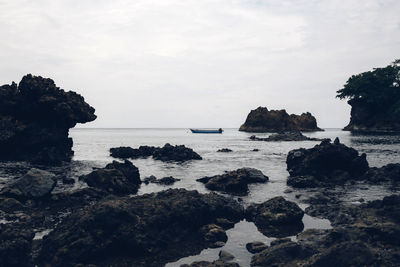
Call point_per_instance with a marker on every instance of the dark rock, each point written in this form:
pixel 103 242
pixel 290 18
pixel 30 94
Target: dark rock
pixel 280 241
pixel 116 178
pixel 163 181
pixel 15 245
pixel 387 173
pixel 217 263
pixel 10 205
pixel 324 164
pixel 256 150
pixel 234 182
pixel 255 247
pixel 129 152
pixel 263 120
pixel 150 179
pixel 34 184
pixel 214 233
pixel 225 256
pixel 226 150
pixel 224 223
pixel 276 217
pixel 147 230
pixel 68 180
pixel 35 118
pixel 175 153
pixel 286 136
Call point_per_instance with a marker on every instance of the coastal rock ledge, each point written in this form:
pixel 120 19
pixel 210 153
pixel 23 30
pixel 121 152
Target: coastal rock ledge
pixel 264 120
pixel 35 118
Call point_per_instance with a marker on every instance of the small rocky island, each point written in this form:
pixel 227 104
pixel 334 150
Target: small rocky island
pixel 264 120
pixel 35 117
pixel 374 97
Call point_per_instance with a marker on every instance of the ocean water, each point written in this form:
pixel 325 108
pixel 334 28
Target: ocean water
pixel 92 146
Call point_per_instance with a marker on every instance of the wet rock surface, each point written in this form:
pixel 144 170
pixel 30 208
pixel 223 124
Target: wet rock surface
pixel 115 178
pixel 325 164
pixel 285 136
pixel 35 117
pixel 234 182
pixel 256 247
pixel 388 173
pixel 264 120
pixel 162 181
pixel 166 153
pixel 147 230
pixel 276 217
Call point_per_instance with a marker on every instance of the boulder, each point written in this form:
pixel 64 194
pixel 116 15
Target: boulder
pixel 224 150
pixel 116 178
pixel 35 118
pixel 285 136
pixel 147 230
pixel 276 217
pixel 129 152
pixel 263 120
pixel 175 153
pixel 234 182
pixel 256 247
pixel 387 173
pixel 225 256
pixel 325 164
pixel 163 181
pixel 217 263
pixel 34 184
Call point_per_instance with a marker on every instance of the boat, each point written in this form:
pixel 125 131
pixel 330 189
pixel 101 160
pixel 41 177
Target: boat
pixel 207 131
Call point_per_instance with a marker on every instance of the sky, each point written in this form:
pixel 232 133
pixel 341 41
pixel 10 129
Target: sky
pixel 191 63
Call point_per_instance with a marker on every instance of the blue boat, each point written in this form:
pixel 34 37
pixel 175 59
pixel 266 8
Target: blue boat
pixel 207 131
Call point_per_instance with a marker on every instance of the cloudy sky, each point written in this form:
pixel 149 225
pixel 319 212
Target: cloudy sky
pixel 191 63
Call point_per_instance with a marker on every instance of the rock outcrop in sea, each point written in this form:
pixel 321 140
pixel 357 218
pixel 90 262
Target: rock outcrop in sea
pixel 285 136
pixel 35 117
pixel 264 120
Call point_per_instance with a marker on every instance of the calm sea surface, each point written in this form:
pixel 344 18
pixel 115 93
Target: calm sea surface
pixel 92 146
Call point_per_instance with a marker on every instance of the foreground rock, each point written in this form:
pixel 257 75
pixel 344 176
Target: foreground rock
pixel 263 120
pixel 234 182
pixel 387 173
pixel 34 184
pixel 285 136
pixel 165 153
pixel 256 247
pixel 276 217
pixel 365 235
pixel 163 181
pixel 35 118
pixel 148 230
pixel 325 164
pixel 116 178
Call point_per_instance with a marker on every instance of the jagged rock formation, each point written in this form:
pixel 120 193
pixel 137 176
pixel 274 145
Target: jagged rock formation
pixel 35 118
pixel 263 120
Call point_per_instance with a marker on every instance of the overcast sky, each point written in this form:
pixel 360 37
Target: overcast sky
pixel 199 63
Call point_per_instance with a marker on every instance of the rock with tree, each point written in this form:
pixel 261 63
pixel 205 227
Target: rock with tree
pixel 264 120
pixel 374 97
pixel 35 117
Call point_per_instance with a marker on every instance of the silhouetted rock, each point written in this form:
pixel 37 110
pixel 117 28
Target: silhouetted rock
pixel 387 173
pixel 285 136
pixel 217 263
pixel 324 164
pixel 234 182
pixel 263 120
pixel 255 247
pixel 225 150
pixel 129 152
pixel 276 217
pixel 163 181
pixel 116 178
pixel 175 153
pixel 35 118
pixel 34 184
pixel 147 230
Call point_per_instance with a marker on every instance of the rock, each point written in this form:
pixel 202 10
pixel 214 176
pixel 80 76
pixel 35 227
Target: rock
pixel 280 241
pixel 234 182
pixel 147 230
pixel 255 247
pixel 34 184
pixel 35 118
pixel 163 181
pixel 276 217
pixel 387 173
pixel 175 153
pixel 214 233
pixel 226 150
pixel 255 150
pixel 15 245
pixel 286 136
pixel 68 180
pixel 224 223
pixel 116 178
pixel 10 205
pixel 225 256
pixel 165 153
pixel 217 263
pixel 263 120
pixel 324 164
pixel 129 152
pixel 150 179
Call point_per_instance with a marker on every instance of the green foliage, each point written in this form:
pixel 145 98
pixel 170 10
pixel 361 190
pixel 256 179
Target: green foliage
pixel 379 89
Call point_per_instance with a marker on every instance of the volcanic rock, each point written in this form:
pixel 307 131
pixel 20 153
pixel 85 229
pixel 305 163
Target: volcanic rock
pixel 234 182
pixel 263 120
pixel 285 136
pixel 129 152
pixel 276 217
pixel 35 118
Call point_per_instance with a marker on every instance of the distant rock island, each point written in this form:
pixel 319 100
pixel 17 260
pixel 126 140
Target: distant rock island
pixel 264 120
pixel 35 118
pixel 374 97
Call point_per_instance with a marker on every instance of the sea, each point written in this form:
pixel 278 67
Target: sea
pixel 91 147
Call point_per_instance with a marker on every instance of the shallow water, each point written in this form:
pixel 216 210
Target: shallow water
pixel 91 150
